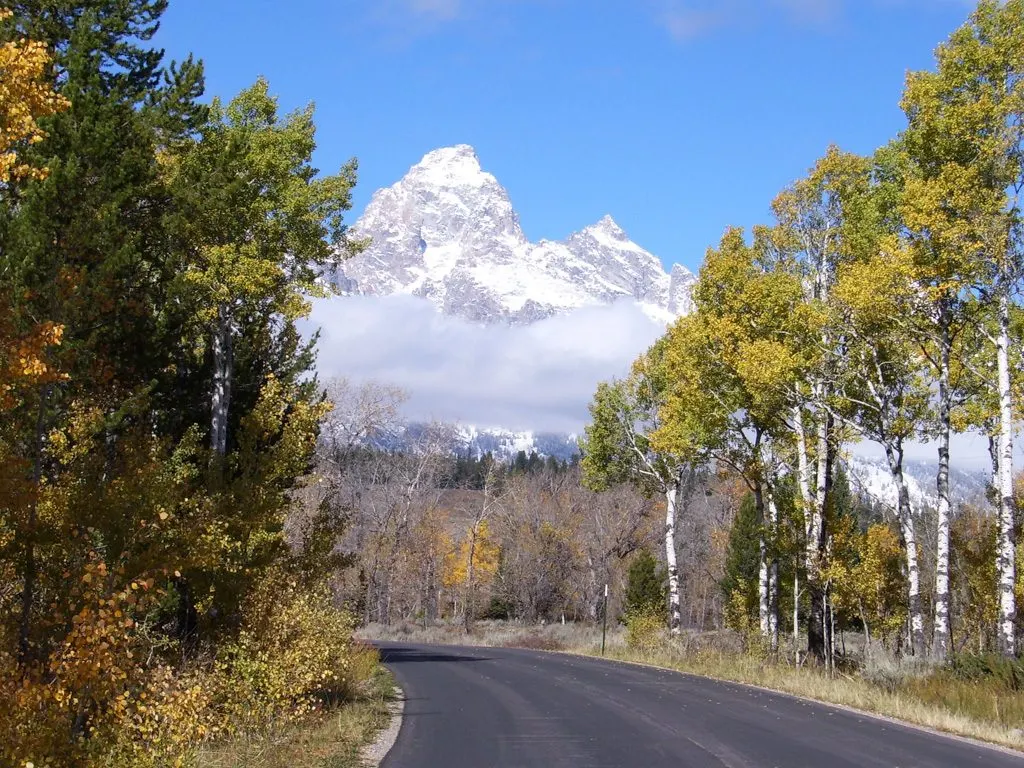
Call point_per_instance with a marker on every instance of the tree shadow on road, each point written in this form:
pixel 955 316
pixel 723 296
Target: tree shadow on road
pixel 399 655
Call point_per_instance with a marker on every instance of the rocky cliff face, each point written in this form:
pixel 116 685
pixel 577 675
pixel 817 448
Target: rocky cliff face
pixel 447 231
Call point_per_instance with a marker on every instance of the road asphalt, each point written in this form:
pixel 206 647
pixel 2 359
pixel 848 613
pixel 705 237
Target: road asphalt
pixel 511 708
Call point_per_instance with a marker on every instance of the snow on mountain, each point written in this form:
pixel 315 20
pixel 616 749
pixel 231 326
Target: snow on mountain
pixel 467 440
pixel 447 231
pixel 505 444
pixel 871 477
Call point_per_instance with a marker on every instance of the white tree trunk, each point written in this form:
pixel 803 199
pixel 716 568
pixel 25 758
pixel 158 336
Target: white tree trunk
pixel 814 541
pixel 220 402
pixel 796 616
pixel 940 639
pixel 762 586
pixel 773 577
pixel 894 455
pixel 1006 551
pixel 674 612
pixel 804 477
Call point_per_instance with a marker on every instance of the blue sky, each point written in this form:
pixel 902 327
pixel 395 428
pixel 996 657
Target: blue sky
pixel 678 118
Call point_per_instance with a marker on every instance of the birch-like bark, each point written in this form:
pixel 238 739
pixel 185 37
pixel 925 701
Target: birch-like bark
pixel 223 362
pixel 762 566
pixel 1006 551
pixel 803 477
pixel 470 585
pixel 674 612
pixel 940 637
pixel 796 616
pixel 816 540
pixel 906 519
pixel 803 465
pixel 773 578
pixel 817 626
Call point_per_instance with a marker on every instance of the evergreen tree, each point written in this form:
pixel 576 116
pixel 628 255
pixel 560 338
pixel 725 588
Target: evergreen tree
pixel 519 464
pixel 645 588
pixel 739 583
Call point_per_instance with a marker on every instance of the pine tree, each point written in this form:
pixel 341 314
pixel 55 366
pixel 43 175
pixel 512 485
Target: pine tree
pixel 645 586
pixel 739 582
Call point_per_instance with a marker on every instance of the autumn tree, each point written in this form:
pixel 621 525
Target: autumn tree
pixel 26 95
pixel 883 393
pixel 260 225
pixel 617 448
pixel 127 552
pixel 964 138
pixel 731 367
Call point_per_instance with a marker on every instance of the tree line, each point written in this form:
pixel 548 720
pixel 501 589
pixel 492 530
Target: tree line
pixel 157 416
pixel 879 304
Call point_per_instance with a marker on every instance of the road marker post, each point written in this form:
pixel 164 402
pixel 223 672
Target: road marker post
pixel 604 619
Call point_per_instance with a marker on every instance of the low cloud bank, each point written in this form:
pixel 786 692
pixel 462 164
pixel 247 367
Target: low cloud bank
pixel 540 376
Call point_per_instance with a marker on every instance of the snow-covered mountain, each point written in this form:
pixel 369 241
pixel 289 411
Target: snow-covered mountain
pixel 505 444
pixel 465 440
pixel 447 231
pixel 870 476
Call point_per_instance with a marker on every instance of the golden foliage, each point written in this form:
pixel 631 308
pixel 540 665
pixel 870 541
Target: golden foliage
pixel 25 96
pixel 874 587
pixel 290 661
pixel 644 630
pixel 99 695
pixel 105 696
pixel 486 552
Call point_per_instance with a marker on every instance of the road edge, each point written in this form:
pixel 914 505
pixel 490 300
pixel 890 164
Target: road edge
pixel 374 753
pixel 844 707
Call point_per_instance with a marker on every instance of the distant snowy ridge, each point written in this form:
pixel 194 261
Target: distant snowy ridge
pixel 871 477
pixel 447 232
pixel 502 444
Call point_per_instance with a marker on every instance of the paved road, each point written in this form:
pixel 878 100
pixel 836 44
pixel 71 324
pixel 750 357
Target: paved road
pixel 482 707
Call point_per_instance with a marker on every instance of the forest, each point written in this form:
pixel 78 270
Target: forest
pixel 192 525
pixel 156 412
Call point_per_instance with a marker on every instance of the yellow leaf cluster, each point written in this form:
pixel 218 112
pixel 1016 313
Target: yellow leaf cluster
pixel 25 96
pixel 486 552
pixel 294 657
pixel 97 690
pixel 23 360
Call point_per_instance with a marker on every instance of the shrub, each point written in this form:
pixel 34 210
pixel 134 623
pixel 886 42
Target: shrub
pixel 644 630
pixel 292 658
pixel 99 696
pixel 103 696
pixel 976 668
pixel 645 589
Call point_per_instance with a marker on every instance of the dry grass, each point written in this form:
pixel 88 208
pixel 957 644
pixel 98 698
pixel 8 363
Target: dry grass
pixel 335 741
pixel 507 634
pixel 921 694
pixel 978 710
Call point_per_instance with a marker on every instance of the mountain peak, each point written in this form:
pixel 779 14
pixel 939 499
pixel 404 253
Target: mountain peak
pixel 609 226
pixel 447 231
pixel 454 165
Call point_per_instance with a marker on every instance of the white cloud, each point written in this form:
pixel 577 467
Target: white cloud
pixel 688 23
pixel 688 19
pixel 540 376
pixel 441 10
